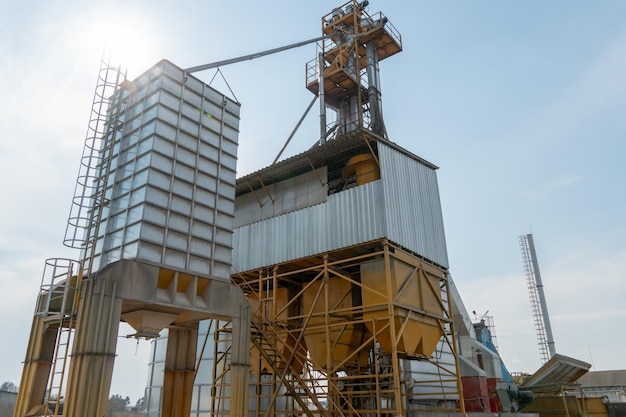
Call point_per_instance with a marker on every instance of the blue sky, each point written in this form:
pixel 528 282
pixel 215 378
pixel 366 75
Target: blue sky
pixel 521 105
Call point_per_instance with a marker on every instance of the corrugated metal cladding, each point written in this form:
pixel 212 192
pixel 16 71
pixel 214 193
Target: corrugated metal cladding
pixel 172 176
pixel 347 218
pixel 281 197
pixel 403 206
pixel 412 205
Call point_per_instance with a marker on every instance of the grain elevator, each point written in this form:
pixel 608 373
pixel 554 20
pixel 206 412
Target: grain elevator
pixel 317 285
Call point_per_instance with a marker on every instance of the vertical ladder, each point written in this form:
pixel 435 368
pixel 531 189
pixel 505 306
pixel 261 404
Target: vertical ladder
pixel 57 374
pixel 57 300
pixel 61 297
pixel 535 305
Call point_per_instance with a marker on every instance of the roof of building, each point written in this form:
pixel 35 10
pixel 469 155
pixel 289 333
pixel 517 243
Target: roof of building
pixel 604 378
pixel 338 149
pixel 559 370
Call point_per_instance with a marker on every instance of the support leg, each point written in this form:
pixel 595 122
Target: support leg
pixel 93 351
pixel 240 360
pixel 179 371
pixel 37 365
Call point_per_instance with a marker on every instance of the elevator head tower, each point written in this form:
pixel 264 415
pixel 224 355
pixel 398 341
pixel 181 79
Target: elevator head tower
pixel 345 74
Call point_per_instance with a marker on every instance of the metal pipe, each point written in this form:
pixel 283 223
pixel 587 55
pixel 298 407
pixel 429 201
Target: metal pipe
pixel 373 79
pixel 252 56
pixel 320 63
pixel 542 297
pixel 295 129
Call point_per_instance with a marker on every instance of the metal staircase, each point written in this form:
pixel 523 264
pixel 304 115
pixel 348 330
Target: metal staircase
pixel 265 339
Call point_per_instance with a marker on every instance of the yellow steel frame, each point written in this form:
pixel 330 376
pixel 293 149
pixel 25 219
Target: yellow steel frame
pixel 354 375
pixel 567 400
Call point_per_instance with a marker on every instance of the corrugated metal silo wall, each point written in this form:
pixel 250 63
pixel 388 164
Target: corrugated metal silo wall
pixel 347 218
pixel 171 178
pixel 412 205
pixel 403 206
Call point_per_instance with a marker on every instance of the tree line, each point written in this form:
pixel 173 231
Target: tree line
pixel 118 406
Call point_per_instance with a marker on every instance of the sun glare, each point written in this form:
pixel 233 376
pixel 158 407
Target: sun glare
pixel 127 40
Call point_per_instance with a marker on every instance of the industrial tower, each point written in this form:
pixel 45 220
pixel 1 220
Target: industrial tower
pixel 345 75
pixel 538 303
pixel 341 253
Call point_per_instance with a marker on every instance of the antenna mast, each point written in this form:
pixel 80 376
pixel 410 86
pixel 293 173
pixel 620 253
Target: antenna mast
pixel 537 298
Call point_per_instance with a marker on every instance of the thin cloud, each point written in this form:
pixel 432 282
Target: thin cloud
pixel 565 181
pixel 590 316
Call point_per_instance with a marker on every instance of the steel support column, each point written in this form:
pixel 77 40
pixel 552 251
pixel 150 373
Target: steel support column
pixel 93 351
pixel 37 365
pixel 395 362
pixel 364 311
pixel 240 361
pixel 179 370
